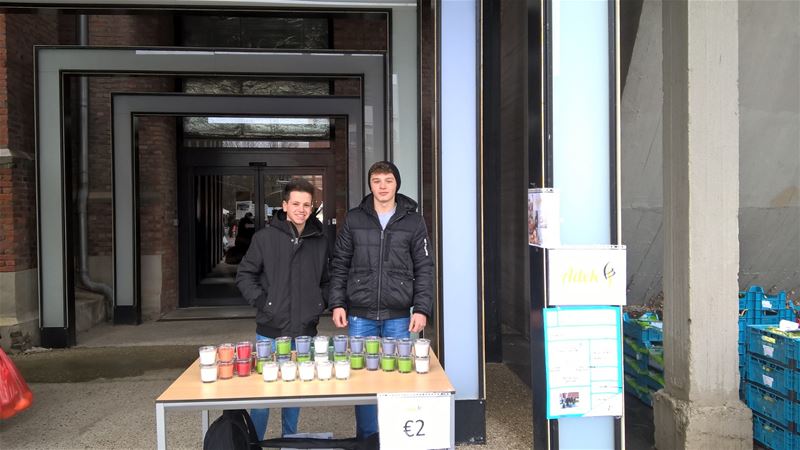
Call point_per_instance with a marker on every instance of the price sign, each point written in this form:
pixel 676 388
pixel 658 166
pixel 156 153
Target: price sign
pixel 415 420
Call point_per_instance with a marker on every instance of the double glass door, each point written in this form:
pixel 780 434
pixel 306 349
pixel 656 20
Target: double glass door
pixel 229 206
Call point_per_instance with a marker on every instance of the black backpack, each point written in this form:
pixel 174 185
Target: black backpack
pixel 233 430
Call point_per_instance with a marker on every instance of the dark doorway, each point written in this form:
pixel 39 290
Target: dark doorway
pixel 230 205
pixel 232 187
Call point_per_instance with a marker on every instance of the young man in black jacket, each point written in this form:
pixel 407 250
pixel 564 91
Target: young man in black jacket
pixel 381 268
pixel 285 276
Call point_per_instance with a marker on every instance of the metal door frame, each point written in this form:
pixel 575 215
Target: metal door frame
pixel 126 107
pixel 56 284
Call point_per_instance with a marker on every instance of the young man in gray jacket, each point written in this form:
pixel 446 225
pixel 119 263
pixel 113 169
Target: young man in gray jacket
pixel 284 275
pixel 381 268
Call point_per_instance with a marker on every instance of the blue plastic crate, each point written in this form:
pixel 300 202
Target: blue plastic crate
pixel 768 342
pixel 639 360
pixel 645 329
pixel 640 392
pixel 775 407
pixel 771 435
pixel 770 375
pixel 655 359
pixel 652 380
pixel 756 299
pixel 763 317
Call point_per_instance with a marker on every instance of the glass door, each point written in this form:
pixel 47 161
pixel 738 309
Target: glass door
pixel 225 219
pixel 226 216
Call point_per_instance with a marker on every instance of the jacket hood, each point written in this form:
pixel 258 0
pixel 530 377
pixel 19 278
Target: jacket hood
pixel 404 204
pixel 313 225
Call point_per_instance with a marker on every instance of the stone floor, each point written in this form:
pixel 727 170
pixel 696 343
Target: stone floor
pixel 99 394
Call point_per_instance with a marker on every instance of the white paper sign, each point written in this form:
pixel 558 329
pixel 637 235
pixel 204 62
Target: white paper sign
pixel 544 217
pixel 586 275
pixel 414 420
pixel 584 361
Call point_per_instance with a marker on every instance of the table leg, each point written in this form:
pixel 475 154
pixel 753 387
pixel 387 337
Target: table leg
pixel 204 422
pixel 452 421
pixel 161 432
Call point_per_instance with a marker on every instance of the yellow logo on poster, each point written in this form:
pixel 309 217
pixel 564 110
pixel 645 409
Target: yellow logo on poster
pixel 580 276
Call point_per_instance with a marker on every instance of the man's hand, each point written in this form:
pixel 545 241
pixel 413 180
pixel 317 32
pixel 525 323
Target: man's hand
pixel 339 317
pixel 417 322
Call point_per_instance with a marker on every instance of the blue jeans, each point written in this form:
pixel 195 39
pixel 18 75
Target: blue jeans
pixel 289 416
pixel 367 415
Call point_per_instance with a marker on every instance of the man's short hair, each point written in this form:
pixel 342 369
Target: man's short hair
pixel 297 185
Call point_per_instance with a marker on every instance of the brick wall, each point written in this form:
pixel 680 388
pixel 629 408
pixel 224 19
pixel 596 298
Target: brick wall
pixel 19 33
pixel 157 166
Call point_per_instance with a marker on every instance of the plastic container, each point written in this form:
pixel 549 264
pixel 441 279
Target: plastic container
pixel 388 363
pixel 208 373
pixel 208 355
pixel 264 348
pixel 307 370
pixel 404 347
pixel 225 352
pixel 388 345
pixel 373 362
pixel 422 364
pixel 225 370
pixel 283 345
pixel 260 364
pixel 422 347
pixel 243 367
pixel 244 349
pixel 324 370
pixel 356 344
pixel 373 345
pixel 340 343
pixel 356 361
pixel 321 344
pixel 770 405
pixel 289 371
pixel 342 370
pixel 404 364
pixel 269 371
pixel 302 344
pixel 771 435
pixel 770 375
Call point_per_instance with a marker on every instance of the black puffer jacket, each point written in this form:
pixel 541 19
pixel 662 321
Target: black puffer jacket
pixel 379 274
pixel 286 278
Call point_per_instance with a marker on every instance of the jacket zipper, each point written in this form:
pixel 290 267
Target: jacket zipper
pixel 380 274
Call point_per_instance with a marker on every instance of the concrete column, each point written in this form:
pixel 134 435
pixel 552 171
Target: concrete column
pixel 699 406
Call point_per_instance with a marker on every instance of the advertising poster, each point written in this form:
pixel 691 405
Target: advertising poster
pixel 584 362
pixel 593 275
pixel 544 217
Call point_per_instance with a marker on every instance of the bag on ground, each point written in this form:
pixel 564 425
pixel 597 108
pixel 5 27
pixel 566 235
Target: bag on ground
pixel 233 430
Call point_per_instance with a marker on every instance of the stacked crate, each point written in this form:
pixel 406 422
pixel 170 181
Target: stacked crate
pixel 643 355
pixel 770 364
pixel 758 308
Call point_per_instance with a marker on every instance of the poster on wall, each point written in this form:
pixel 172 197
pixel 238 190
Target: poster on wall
pixel 590 275
pixel 584 361
pixel 544 217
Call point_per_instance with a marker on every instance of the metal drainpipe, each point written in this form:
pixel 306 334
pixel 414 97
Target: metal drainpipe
pixel 83 189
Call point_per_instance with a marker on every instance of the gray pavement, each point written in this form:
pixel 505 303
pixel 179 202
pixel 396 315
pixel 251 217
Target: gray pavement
pixel 100 394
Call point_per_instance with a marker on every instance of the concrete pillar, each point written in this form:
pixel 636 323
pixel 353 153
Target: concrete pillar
pixel 699 406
